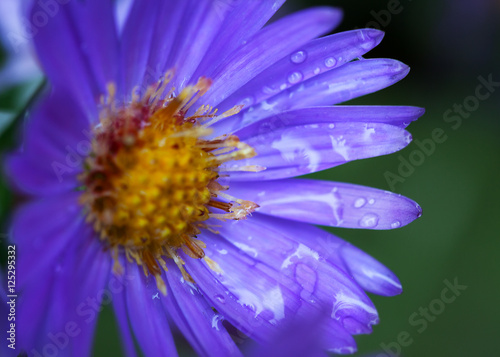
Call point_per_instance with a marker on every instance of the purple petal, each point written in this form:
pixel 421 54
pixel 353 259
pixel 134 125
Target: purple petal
pixel 59 48
pixel 304 149
pixel 53 223
pixel 57 298
pixel 201 23
pixel 370 274
pixel 329 203
pixel 147 315
pixel 320 282
pixel 122 10
pixel 314 58
pixel 93 264
pixel 393 115
pixel 120 308
pixel 56 142
pixel 301 338
pixel 244 20
pixel 242 309
pixel 266 47
pixel 96 33
pixel 269 279
pixel 341 84
pixel 137 40
pixel 195 317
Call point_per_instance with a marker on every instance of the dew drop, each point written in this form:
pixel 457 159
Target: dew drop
pixel 369 220
pixel 298 57
pixel 331 126
pixel 371 201
pixel 360 202
pixel 247 101
pixel 330 62
pixel 220 298
pixel 396 224
pixel 417 206
pixel 270 90
pixel 317 70
pixel 295 77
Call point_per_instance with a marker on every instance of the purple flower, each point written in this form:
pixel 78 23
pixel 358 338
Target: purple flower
pixel 159 167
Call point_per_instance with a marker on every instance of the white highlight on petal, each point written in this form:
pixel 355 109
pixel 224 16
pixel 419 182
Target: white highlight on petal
pixel 215 321
pixel 376 275
pixel 271 300
pixel 339 145
pixel 343 350
pixel 247 249
pixel 368 133
pixel 287 204
pixel 360 202
pixel 291 148
pixel 342 301
pixel 301 252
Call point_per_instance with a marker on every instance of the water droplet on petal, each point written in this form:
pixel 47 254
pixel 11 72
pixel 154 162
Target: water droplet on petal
pixel 298 57
pixel 317 70
pixel 331 125
pixel 247 101
pixel 369 220
pixel 220 298
pixel 396 224
pixel 371 201
pixel 360 202
pixel 295 77
pixel 270 90
pixel 330 62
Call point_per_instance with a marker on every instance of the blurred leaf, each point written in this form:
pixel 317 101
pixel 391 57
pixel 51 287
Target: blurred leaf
pixel 27 93
pixel 6 119
pixel 13 104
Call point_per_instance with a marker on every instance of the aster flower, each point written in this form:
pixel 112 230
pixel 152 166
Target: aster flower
pixel 160 166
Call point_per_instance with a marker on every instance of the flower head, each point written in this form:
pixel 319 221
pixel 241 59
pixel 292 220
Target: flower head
pixel 160 165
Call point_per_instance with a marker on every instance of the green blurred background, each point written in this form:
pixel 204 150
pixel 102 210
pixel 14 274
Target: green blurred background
pixel 448 44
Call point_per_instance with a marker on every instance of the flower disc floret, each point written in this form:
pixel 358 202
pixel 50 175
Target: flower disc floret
pixel 151 179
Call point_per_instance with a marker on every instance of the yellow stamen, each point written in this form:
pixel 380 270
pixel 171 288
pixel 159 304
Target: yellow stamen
pixel 151 179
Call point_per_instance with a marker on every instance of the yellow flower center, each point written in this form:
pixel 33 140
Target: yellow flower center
pixel 151 179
